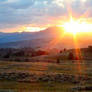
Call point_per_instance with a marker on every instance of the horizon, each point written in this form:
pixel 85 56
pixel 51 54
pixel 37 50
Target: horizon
pixel 74 19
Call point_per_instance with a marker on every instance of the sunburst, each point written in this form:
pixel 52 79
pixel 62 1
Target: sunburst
pixel 75 26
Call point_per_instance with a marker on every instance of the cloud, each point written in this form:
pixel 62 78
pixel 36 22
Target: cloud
pixel 11 1
pixel 59 2
pixel 22 12
pixel 83 0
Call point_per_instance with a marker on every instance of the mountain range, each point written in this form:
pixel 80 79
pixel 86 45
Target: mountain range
pixel 52 37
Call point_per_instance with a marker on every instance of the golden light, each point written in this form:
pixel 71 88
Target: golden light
pixel 77 26
pixel 30 29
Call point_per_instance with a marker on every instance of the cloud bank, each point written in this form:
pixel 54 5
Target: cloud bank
pixel 15 13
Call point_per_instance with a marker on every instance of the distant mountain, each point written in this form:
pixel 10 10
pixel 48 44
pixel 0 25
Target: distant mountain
pixel 52 37
pixel 13 37
pixel 28 39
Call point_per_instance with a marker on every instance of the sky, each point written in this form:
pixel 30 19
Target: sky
pixel 17 15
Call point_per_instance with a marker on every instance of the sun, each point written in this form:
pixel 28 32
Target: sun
pixel 75 26
pixel 71 26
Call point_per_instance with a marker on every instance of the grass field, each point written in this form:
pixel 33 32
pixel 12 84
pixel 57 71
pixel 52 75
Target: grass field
pixel 39 68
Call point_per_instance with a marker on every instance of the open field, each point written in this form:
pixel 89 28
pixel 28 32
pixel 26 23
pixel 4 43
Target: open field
pixel 38 76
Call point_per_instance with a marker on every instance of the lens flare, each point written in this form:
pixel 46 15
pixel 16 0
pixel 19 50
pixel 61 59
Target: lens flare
pixel 75 27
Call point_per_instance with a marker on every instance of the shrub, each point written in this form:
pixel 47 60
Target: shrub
pixel 71 56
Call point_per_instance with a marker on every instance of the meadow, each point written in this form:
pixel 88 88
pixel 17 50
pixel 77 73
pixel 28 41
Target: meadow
pixel 33 82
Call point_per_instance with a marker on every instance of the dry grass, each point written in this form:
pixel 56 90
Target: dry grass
pixel 42 68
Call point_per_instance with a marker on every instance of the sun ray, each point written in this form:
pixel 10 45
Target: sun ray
pixel 85 14
pixel 54 42
pixel 74 27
